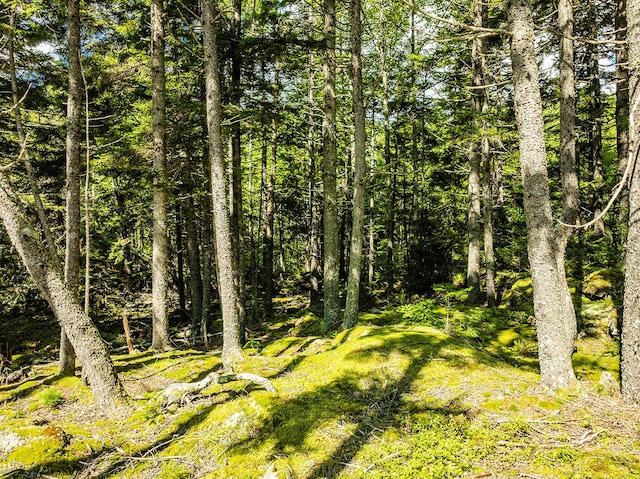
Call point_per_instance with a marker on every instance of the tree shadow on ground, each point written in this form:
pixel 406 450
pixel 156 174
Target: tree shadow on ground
pixel 369 403
pixel 149 357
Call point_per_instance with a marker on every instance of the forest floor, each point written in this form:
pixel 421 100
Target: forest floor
pixel 428 390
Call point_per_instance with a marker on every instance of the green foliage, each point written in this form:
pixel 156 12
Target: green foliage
pixel 50 397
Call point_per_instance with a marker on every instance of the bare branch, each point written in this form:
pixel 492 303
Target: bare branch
pixel 19 102
pixel 453 23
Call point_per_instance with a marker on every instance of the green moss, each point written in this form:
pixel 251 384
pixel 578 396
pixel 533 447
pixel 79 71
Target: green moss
pixel 37 452
pixel 508 337
pixel 549 405
pixel 50 397
pixel 174 470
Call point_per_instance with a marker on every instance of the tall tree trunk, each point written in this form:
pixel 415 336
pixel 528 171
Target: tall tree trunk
pixel 87 198
pixel 480 103
pixel 478 95
pixel 556 321
pixel 193 245
pixel 630 349
pixel 622 110
pixel 360 171
pixel 314 209
pixel 372 215
pixel 22 137
pixel 254 225
pixel 568 167
pixel 81 331
pixel 237 220
pixel 390 205
pixel 74 141
pixel 231 352
pixel 179 250
pixel 268 209
pixel 595 120
pixel 331 279
pixel 207 252
pixel 160 266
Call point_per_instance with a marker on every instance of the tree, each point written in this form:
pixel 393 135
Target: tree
pixel 231 351
pixel 477 155
pixel 45 271
pixel 331 271
pixel 622 107
pixel 360 171
pixel 630 353
pixel 314 207
pixel 74 141
pixel 556 321
pixel 595 120
pixel 237 220
pixel 568 171
pixel 160 280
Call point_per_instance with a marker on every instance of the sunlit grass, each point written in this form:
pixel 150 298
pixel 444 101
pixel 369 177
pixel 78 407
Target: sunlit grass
pixel 394 397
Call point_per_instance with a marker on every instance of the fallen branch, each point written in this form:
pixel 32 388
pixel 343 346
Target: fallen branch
pixel 178 392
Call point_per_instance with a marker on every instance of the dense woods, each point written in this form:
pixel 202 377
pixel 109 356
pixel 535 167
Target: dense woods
pixel 220 156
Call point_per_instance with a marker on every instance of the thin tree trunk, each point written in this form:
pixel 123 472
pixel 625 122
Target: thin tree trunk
pixel 372 216
pixel 179 275
pixel 331 280
pixel 360 172
pixel 474 226
pixel 207 253
pixel 568 167
pixel 74 140
pixel 389 217
pixel 556 321
pixel 254 225
pixel 81 331
pixel 268 210
pixel 480 103
pixel 314 210
pixel 87 199
pixel 231 351
pixel 160 266
pixel 193 246
pixel 595 120
pixel 622 111
pixel 22 138
pixel 237 220
pixel 630 352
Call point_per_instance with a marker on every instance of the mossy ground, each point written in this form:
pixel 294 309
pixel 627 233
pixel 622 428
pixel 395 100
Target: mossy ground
pixel 394 397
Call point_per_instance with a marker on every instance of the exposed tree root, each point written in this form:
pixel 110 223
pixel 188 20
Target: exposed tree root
pixel 178 392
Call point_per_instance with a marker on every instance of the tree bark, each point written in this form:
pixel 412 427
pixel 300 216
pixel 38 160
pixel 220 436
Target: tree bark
pixel 74 140
pixel 478 103
pixel 622 111
pixel 231 351
pixel 389 203
pixel 481 106
pixel 556 321
pixel 237 219
pixel 568 171
pixel 81 331
pixel 595 120
pixel 179 274
pixel 314 209
pixel 160 283
pixel 268 188
pixel 193 245
pixel 360 171
pixel 22 137
pixel 331 279
pixel 630 349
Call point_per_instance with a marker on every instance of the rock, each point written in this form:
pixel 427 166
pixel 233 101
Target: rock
pixel 609 383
